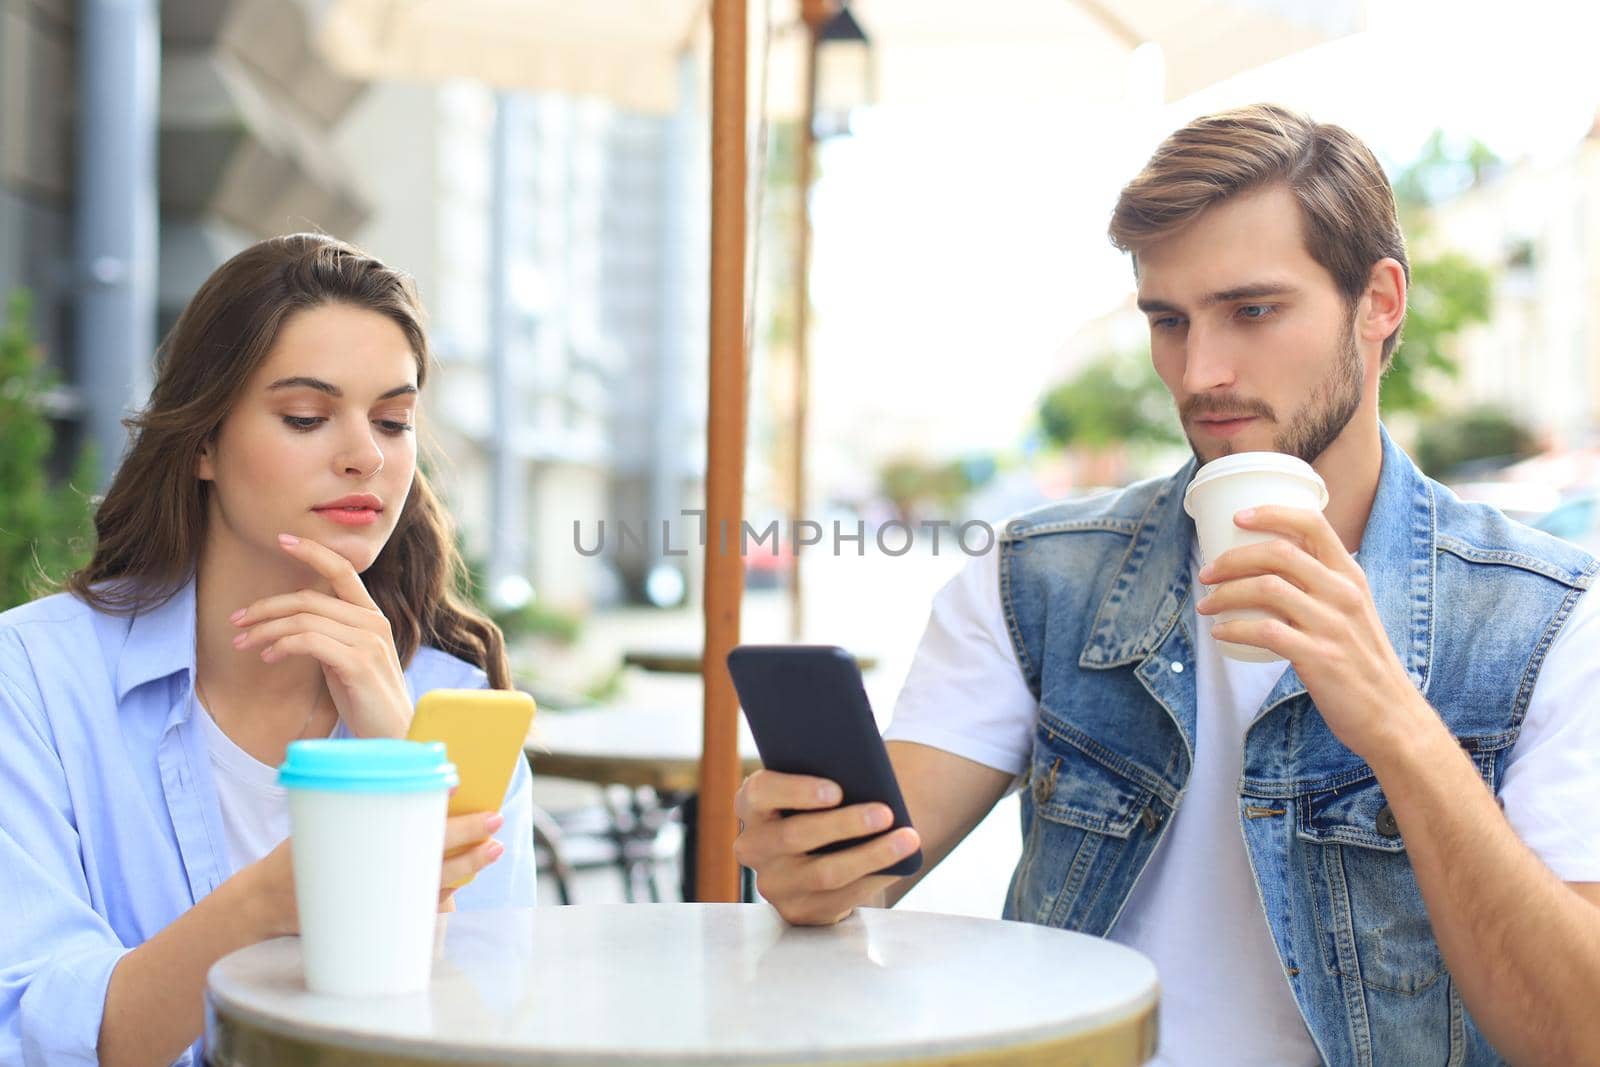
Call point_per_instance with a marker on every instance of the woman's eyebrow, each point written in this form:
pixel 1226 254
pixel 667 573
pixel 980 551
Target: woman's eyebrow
pixel 303 382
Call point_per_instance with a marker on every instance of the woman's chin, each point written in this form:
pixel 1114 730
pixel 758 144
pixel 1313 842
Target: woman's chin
pixel 360 549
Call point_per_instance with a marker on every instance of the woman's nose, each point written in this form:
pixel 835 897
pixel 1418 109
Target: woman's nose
pixel 362 456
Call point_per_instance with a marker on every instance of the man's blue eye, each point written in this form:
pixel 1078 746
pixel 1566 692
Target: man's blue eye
pixel 1167 322
pixel 1256 311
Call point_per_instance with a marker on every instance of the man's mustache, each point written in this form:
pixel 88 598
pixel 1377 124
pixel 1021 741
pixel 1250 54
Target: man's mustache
pixel 1225 406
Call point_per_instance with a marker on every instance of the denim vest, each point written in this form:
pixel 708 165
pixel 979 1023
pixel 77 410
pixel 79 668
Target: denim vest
pixel 1096 596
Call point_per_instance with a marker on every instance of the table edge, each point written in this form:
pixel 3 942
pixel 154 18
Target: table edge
pixel 1127 1041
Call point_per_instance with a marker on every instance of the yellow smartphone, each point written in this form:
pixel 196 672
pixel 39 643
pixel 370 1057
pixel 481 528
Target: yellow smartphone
pixel 483 731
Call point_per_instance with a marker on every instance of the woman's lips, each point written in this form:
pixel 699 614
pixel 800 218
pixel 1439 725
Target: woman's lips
pixel 349 516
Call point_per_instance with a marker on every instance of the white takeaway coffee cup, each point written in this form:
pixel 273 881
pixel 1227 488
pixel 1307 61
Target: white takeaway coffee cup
pixel 366 824
pixel 1223 488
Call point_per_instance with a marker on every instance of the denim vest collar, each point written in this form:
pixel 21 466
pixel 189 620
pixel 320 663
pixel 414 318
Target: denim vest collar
pixel 1138 616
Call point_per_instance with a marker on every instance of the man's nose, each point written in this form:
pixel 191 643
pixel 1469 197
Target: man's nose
pixel 1207 362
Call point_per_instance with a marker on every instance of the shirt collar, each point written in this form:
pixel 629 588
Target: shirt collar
pixel 1152 586
pixel 160 642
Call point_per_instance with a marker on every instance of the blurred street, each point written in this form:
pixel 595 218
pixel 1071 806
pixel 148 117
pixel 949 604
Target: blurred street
pixel 872 605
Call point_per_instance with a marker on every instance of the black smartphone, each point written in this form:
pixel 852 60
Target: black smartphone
pixel 809 714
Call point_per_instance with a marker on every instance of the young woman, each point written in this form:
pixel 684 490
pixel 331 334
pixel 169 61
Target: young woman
pixel 270 565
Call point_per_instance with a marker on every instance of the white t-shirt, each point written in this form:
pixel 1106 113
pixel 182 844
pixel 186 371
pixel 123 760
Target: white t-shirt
pixel 966 694
pixel 255 808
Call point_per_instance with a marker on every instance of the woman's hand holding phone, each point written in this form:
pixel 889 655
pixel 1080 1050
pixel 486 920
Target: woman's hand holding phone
pixel 785 817
pixel 469 847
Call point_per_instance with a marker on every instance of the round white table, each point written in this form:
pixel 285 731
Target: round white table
pixel 677 984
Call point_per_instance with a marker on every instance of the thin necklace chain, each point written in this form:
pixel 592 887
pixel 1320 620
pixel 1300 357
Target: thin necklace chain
pixel 201 693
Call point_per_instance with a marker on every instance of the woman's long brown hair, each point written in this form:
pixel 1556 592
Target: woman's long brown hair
pixel 150 527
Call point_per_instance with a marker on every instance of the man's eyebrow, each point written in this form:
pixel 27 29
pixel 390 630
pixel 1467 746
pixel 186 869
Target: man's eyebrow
pixel 1252 291
pixel 303 382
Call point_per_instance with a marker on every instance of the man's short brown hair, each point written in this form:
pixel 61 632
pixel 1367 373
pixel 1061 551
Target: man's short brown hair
pixel 1345 199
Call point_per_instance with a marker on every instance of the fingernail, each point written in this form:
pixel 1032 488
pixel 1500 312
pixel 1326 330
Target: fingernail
pixel 496 850
pixel 236 616
pixel 495 821
pixel 240 639
pixel 878 819
pixel 1246 515
pixel 829 793
pixel 288 540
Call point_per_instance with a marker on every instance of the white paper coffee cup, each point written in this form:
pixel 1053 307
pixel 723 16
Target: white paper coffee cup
pixel 367 821
pixel 1223 488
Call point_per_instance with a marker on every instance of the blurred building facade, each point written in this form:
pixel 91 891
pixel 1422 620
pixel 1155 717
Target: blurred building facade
pixel 258 135
pixel 604 336
pixel 244 150
pixel 36 101
pixel 1536 224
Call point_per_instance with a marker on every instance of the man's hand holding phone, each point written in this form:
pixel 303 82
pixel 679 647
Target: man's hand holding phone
pixel 786 817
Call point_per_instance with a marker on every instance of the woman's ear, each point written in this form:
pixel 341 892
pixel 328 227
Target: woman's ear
pixel 204 468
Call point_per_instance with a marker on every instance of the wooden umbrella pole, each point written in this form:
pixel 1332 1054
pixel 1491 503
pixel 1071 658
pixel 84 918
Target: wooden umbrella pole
pixel 717 875
pixel 814 13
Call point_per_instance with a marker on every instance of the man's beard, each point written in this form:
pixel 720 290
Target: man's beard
pixel 1320 420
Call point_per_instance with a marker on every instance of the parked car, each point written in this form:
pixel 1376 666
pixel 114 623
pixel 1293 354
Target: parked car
pixel 1576 519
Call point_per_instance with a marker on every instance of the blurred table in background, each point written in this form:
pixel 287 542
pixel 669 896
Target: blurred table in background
pixel 653 753
pixel 656 748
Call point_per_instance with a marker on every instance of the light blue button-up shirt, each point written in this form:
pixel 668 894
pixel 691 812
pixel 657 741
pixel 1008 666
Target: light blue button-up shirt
pixel 109 822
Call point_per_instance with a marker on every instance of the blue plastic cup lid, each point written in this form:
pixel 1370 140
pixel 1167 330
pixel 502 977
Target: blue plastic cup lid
pixel 368 765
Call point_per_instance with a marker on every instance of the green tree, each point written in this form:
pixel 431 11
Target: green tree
pixel 1116 399
pixel 911 484
pixel 45 529
pixel 1449 292
pixel 1442 170
pixel 1445 443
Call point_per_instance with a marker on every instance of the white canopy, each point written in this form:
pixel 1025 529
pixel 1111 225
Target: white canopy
pixel 928 52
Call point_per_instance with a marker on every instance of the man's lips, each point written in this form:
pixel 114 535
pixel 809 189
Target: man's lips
pixel 1224 427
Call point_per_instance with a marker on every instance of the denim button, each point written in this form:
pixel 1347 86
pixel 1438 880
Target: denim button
pixel 1177 668
pixel 1386 822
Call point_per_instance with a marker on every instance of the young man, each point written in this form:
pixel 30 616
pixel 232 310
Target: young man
pixel 1384 851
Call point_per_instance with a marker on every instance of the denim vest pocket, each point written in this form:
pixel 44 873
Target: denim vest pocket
pixel 1371 922
pixel 1083 811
